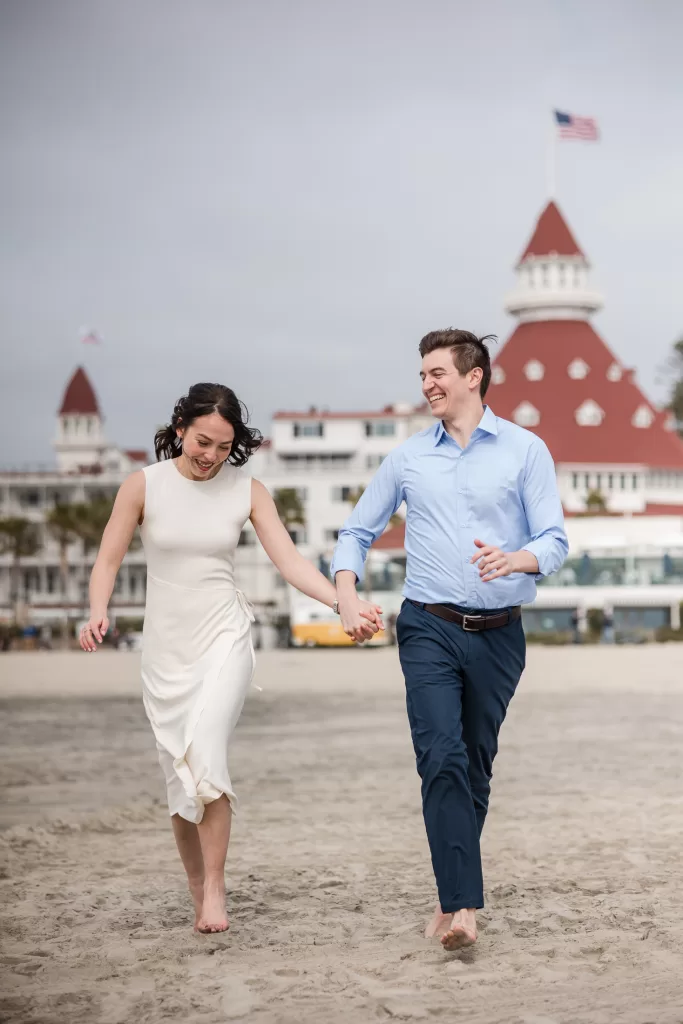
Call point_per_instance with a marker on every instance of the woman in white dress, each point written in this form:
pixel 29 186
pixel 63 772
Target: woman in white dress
pixel 198 659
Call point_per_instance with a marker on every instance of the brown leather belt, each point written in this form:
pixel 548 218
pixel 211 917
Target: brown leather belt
pixel 471 623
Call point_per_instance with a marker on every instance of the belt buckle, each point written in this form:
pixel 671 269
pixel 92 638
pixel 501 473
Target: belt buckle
pixel 470 629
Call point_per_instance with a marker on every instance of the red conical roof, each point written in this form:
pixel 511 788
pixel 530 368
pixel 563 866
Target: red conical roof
pixel 551 235
pixel 79 397
pixel 556 393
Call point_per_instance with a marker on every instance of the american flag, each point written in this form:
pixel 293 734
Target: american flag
pixel 569 126
pixel 89 336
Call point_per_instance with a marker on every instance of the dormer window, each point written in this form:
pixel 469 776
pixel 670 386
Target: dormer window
pixel 643 417
pixel 589 414
pixel 534 370
pixel 578 369
pixel 526 415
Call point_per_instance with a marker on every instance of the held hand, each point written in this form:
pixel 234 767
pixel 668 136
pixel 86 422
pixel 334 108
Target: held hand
pixel 372 612
pixel 492 562
pixel 358 618
pixel 94 632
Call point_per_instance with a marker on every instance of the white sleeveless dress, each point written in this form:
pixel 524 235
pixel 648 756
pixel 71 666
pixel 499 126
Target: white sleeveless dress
pixel 197 653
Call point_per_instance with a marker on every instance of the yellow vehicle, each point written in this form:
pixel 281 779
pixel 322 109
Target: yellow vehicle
pixel 314 625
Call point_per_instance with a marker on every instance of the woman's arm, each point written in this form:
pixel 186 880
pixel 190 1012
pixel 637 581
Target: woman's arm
pixel 296 569
pixel 126 514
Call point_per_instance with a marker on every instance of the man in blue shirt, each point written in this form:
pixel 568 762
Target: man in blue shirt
pixel 483 522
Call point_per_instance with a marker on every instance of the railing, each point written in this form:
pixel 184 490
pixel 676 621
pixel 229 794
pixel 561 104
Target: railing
pixel 617 572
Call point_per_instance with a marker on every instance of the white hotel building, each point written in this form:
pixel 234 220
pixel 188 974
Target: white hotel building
pixel 554 375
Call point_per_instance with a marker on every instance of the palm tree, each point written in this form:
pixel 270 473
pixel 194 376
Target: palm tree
pixel 21 538
pixel 674 379
pixel 62 523
pixel 90 520
pixel 595 503
pixel 289 507
pixel 396 520
pixel 354 498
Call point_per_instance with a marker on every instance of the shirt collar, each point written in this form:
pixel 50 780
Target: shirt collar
pixel 487 423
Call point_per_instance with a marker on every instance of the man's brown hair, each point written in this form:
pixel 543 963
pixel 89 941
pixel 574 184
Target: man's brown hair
pixel 467 350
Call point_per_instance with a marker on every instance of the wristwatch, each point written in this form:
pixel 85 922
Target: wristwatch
pixel 335 607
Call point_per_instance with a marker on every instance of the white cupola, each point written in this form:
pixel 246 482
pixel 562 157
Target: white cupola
pixel 552 275
pixel 79 444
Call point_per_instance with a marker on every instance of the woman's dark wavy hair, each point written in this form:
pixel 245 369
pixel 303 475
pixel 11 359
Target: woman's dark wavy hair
pixel 202 400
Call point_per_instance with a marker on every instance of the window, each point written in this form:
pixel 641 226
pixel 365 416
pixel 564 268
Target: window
pixel 534 370
pixel 589 414
pixel 635 481
pixel 622 481
pixel 374 461
pixel 308 430
pixel 610 481
pixel 331 536
pixel 526 415
pixel 575 481
pixel 52 578
pixel 586 480
pixel 578 369
pixel 544 271
pixel 643 417
pixel 561 274
pixel 598 481
pixel 246 539
pixel 298 534
pixel 343 493
pixel 380 428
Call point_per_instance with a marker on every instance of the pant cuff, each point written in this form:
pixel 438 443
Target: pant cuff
pixel 464 903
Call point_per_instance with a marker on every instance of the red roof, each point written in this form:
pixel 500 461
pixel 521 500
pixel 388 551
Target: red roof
pixel 137 454
pixel 555 344
pixel 79 396
pixel 661 510
pixel 551 235
pixel 392 539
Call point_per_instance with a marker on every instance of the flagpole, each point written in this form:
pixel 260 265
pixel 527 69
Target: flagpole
pixel 550 158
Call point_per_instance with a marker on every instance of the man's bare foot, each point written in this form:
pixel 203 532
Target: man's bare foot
pixel 439 923
pixel 462 931
pixel 213 916
pixel 197 893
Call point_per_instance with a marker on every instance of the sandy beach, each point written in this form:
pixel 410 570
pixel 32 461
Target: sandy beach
pixel 328 872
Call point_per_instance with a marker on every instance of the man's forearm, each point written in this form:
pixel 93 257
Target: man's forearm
pixel 523 561
pixel 345 581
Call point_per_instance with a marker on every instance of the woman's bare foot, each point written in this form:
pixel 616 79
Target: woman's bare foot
pixel 213 917
pixel 197 893
pixel 439 923
pixel 462 931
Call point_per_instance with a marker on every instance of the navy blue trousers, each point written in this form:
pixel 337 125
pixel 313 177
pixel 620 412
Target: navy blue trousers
pixel 458 687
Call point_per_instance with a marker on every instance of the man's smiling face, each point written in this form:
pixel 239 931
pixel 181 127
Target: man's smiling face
pixel 444 387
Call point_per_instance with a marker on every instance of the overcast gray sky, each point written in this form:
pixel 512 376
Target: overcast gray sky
pixel 284 196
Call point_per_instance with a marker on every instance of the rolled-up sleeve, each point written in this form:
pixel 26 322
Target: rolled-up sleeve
pixel 366 523
pixel 543 508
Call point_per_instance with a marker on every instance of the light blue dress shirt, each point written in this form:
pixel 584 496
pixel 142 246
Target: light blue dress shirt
pixel 500 489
